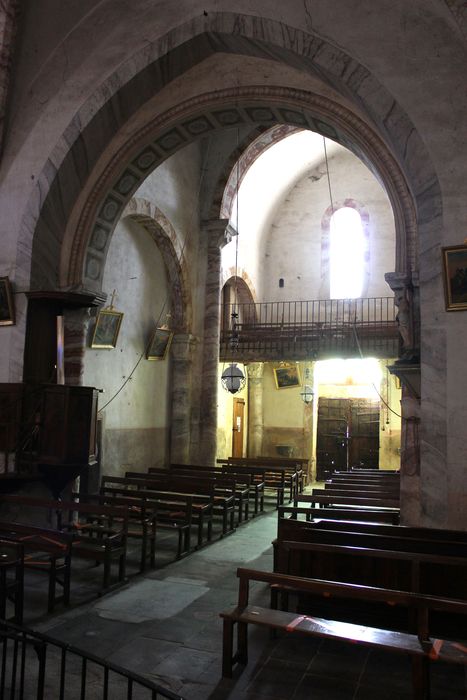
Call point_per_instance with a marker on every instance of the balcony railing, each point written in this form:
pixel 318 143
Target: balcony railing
pixel 320 328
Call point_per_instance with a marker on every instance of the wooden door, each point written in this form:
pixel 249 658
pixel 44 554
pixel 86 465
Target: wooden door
pixel 332 439
pixel 237 430
pixel 348 435
pixel 364 432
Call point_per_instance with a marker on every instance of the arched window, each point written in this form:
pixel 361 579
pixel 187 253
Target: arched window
pixel 346 254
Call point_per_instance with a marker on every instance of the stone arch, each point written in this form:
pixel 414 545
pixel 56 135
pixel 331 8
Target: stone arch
pixel 230 33
pixel 237 292
pixel 150 217
pixel 229 183
pixel 187 122
pixel 325 241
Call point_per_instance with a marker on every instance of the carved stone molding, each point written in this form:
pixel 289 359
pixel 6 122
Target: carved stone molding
pixel 163 135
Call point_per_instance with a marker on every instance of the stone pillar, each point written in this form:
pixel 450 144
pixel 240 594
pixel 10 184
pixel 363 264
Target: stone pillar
pixel 217 236
pixel 76 332
pixel 410 459
pixel 182 384
pixel 255 409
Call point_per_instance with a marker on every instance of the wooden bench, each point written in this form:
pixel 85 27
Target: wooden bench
pixel 173 511
pixel 273 479
pixel 360 492
pixel 243 483
pixel 141 521
pixel 45 551
pixel 391 517
pixel 12 579
pixel 99 532
pixel 418 644
pixel 318 497
pixel 241 478
pixel 219 498
pixel 418 566
pixel 293 473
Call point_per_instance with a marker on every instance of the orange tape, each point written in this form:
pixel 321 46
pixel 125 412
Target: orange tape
pixel 295 622
pixel 435 649
pixel 461 647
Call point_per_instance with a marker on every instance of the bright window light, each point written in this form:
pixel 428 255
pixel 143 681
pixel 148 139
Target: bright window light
pixel 349 372
pixel 346 253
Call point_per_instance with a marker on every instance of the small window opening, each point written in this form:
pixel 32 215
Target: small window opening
pixel 281 282
pixel 346 254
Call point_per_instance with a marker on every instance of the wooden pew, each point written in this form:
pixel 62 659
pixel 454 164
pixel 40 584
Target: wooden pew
pixel 320 498
pixel 12 579
pixel 45 551
pixel 242 483
pixel 293 473
pixel 394 530
pixel 173 511
pixel 99 532
pixel 255 487
pixel 391 517
pixel 378 492
pixel 273 479
pixel 419 565
pixel 141 521
pixel 220 496
pixel 418 644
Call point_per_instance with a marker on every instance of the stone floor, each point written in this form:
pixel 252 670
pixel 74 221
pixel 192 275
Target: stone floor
pixel 165 624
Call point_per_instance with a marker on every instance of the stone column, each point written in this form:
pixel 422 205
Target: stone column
pixel 255 409
pixel 217 236
pixel 182 384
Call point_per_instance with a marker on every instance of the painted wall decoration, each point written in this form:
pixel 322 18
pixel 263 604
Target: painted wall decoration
pixel 455 277
pixel 107 328
pixel 287 376
pixel 159 344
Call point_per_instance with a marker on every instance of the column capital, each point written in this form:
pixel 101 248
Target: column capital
pixel 255 370
pixel 218 231
pixel 398 281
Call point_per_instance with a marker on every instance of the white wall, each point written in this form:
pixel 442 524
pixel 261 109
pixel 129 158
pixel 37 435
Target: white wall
pixel 135 423
pixel 292 249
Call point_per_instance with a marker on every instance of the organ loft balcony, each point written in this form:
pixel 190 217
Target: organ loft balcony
pixel 318 329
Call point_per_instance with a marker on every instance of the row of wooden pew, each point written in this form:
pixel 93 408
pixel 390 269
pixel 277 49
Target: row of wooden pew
pixel 183 499
pixel 346 570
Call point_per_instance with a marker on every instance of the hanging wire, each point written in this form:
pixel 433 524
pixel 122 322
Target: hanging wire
pixel 165 302
pixel 327 174
pixel 372 383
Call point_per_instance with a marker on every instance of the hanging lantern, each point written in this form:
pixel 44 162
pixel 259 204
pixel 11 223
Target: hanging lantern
pixel 307 393
pixel 233 379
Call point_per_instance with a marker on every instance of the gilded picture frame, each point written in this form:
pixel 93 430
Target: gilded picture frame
pixel 455 277
pixel 287 376
pixel 159 345
pixel 106 330
pixel 7 307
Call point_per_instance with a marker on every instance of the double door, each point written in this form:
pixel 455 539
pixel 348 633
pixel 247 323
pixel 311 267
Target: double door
pixel 348 435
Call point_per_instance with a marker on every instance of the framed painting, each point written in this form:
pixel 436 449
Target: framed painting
pixel 159 344
pixel 455 277
pixel 287 376
pixel 7 309
pixel 107 328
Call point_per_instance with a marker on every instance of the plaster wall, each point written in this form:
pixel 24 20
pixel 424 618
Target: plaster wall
pixel 293 248
pixel 135 423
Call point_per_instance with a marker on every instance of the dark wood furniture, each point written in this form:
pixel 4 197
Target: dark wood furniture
pixel 417 643
pixel 11 579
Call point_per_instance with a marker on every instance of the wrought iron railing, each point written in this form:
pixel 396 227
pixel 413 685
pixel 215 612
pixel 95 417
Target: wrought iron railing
pixel 36 666
pixel 321 326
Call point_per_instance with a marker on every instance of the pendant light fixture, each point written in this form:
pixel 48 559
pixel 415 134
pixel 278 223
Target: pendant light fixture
pixel 233 378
